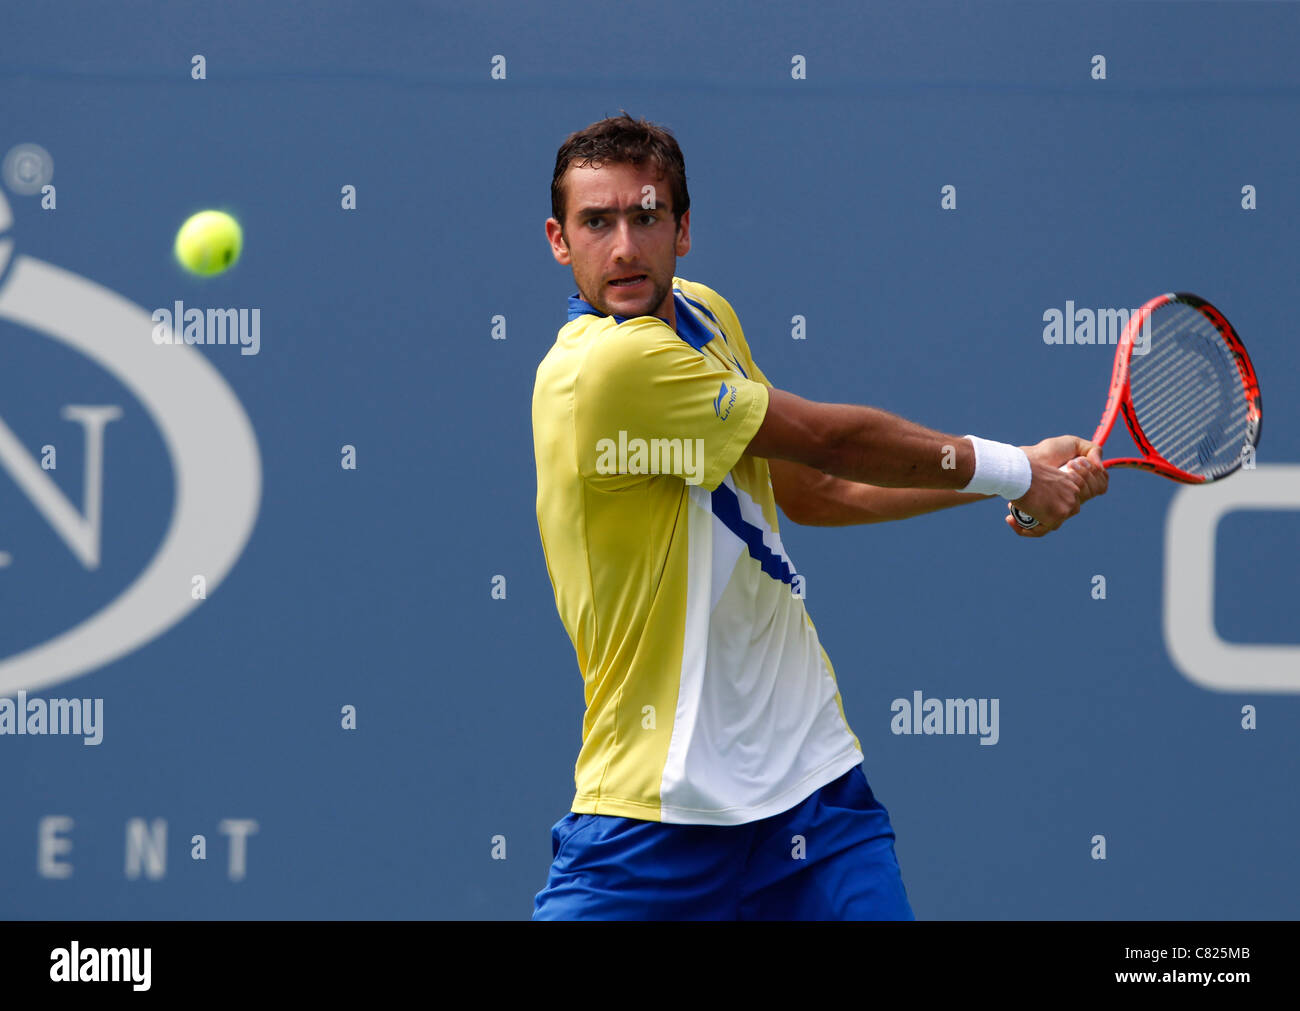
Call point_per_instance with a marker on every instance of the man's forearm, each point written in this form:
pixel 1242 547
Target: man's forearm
pixel 874 446
pixel 835 502
pixel 820 455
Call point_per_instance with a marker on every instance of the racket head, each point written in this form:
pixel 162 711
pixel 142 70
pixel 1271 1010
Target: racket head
pixel 1191 402
pixel 1197 410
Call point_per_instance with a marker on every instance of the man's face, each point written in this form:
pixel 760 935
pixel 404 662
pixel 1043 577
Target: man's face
pixel 610 236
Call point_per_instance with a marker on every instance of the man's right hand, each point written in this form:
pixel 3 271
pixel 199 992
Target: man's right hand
pixel 1056 494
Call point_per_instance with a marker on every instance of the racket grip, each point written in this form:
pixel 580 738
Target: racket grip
pixel 1026 521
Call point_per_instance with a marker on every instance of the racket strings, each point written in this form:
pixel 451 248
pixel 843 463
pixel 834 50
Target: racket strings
pixel 1190 426
pixel 1188 394
pixel 1190 391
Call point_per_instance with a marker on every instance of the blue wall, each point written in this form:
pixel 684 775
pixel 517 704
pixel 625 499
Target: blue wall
pixel 816 197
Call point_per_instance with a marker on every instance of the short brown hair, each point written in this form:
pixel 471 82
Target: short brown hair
pixel 622 140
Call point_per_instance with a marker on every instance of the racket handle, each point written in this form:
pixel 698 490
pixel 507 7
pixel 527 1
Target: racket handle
pixel 1026 521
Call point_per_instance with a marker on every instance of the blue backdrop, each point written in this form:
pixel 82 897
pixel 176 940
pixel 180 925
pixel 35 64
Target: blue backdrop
pixel 816 196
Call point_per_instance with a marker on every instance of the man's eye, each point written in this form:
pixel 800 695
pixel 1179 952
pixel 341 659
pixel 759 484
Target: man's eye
pixel 594 221
pixel 652 218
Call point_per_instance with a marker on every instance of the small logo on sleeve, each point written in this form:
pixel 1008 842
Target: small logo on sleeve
pixel 724 401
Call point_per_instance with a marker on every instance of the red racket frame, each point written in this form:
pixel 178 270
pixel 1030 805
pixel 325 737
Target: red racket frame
pixel 1120 398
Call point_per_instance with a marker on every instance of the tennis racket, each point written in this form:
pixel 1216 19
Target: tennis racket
pixel 1191 401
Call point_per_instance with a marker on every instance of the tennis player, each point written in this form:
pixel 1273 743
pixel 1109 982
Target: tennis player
pixel 718 778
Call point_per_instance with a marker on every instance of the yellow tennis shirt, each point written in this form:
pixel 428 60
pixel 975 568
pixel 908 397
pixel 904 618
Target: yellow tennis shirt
pixel 709 697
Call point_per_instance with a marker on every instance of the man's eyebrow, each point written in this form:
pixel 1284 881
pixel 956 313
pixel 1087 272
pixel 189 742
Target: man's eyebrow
pixel 588 212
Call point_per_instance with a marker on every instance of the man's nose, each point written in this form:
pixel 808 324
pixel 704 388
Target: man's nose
pixel 624 241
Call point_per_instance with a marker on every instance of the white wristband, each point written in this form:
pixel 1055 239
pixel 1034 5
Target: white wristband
pixel 1000 469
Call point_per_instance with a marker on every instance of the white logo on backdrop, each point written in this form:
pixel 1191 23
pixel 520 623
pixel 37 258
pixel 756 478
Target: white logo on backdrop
pixel 1190 545
pixel 209 439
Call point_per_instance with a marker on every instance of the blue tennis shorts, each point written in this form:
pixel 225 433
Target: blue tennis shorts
pixel 831 857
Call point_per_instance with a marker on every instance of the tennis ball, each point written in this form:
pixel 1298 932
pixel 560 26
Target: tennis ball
pixel 209 242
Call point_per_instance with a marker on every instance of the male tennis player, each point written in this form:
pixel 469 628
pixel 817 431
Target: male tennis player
pixel 718 778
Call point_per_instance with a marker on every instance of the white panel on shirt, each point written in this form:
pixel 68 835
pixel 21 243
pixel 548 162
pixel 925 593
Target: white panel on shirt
pixel 757 727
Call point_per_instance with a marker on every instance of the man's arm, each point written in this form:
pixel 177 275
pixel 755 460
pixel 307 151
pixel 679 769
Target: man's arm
pixel 811 498
pixel 869 446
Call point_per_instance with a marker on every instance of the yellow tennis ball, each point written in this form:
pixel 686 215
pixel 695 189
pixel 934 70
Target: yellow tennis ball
pixel 209 242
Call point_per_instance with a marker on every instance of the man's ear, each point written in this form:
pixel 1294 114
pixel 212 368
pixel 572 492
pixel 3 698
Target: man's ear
pixel 684 234
pixel 559 246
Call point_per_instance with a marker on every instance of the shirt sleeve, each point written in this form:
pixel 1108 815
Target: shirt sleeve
pixel 648 403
